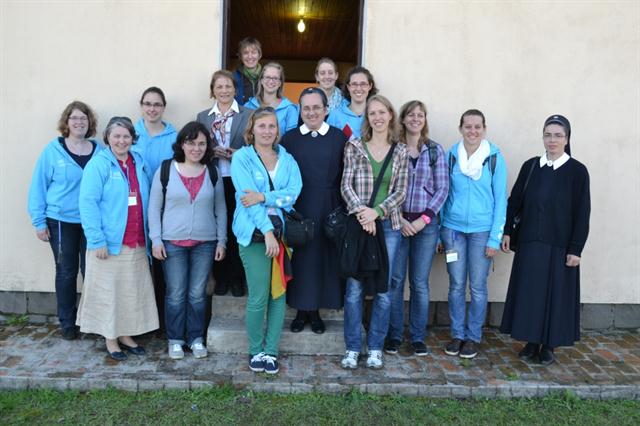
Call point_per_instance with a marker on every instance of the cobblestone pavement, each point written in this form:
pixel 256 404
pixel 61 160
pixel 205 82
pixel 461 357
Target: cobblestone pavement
pixel 601 366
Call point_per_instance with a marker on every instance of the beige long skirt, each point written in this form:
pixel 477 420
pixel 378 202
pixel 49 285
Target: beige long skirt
pixel 117 295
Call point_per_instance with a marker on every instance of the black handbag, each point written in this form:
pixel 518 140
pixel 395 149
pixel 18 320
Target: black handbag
pixel 258 236
pixel 298 230
pixel 335 223
pixel 517 218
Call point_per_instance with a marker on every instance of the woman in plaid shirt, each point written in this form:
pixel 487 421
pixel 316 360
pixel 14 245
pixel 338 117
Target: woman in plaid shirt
pixel 426 193
pixel 363 160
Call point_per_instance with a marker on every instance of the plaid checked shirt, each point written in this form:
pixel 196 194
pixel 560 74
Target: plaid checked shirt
pixel 357 181
pixel 428 186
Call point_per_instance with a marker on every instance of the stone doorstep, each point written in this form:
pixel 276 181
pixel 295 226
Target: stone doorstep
pixel 228 335
pixel 228 306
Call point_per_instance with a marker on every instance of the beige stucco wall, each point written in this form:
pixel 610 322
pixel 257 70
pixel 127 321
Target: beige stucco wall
pixel 517 61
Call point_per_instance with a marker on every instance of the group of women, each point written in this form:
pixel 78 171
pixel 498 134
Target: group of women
pixel 219 190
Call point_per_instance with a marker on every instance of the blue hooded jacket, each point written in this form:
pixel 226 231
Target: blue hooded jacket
pixel 477 205
pixel 104 196
pixel 343 116
pixel 248 172
pixel 55 186
pixel 154 149
pixel 287 113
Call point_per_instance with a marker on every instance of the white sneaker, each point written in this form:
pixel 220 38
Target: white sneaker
pixel 375 360
pixel 350 360
pixel 199 350
pixel 175 351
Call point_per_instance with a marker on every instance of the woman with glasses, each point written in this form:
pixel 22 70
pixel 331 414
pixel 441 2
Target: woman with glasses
pixel 155 135
pixel 426 193
pixel 53 204
pixel 327 78
pixel 270 95
pixel 374 158
pixel 472 223
pixel 551 196
pixel 267 180
pixel 225 122
pixel 188 231
pixel 318 149
pixel 358 88
pixel 117 299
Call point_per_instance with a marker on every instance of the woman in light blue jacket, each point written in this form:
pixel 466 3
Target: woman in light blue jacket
pixel 270 95
pixel 267 179
pixel 53 204
pixel 472 223
pixel 117 299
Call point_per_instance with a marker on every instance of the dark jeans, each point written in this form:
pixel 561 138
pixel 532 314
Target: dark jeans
pixel 69 246
pixel 230 270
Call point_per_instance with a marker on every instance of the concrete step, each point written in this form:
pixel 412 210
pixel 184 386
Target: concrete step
pixel 228 306
pixel 228 335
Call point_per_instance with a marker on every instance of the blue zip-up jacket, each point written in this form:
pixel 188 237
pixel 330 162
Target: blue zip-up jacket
pixel 154 149
pixel 104 196
pixel 287 113
pixel 343 116
pixel 477 205
pixel 55 186
pixel 248 172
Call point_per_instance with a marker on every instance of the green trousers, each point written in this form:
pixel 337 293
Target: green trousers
pixel 257 267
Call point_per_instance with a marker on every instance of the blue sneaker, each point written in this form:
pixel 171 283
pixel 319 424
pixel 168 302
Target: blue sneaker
pixel 256 362
pixel 270 364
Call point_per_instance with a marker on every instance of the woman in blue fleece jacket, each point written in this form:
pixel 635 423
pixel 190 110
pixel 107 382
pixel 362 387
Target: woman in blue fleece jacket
pixel 117 299
pixel 270 95
pixel 472 223
pixel 53 204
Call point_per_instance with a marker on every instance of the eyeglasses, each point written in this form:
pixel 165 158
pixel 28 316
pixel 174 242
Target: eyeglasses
pixel 362 84
pixel 274 79
pixel 154 105
pixel 315 108
pixel 82 119
pixel 193 144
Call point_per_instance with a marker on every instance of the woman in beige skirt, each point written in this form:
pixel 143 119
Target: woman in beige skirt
pixel 117 299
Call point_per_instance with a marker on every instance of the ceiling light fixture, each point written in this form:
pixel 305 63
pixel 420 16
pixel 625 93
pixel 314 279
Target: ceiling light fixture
pixel 301 25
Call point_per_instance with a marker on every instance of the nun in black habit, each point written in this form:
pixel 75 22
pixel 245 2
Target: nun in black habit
pixel 318 149
pixel 551 197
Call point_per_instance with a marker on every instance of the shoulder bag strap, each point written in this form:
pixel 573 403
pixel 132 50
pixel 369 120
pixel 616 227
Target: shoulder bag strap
pixel 378 182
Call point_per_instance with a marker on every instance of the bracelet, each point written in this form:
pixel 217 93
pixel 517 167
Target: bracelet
pixel 426 219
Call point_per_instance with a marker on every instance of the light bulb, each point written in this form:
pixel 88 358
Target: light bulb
pixel 301 26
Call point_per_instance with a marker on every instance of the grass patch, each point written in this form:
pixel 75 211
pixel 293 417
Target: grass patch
pixel 225 405
pixel 18 320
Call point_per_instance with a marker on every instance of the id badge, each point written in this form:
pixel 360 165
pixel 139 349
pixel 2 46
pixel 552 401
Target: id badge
pixel 452 256
pixel 133 199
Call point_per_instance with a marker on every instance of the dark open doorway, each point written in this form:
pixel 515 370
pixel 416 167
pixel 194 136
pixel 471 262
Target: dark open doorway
pixel 333 29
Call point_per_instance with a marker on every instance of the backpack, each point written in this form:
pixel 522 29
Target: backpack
pixel 165 169
pixel 492 165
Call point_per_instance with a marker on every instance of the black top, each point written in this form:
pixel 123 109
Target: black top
pixel 556 206
pixel 82 160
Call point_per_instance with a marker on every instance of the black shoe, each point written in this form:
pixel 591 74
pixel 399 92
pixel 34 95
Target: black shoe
pixel 453 347
pixel 317 326
pixel 546 355
pixel 237 289
pixel 70 333
pixel 297 325
pixel 391 346
pixel 118 356
pixel 138 350
pixel 529 351
pixel 469 349
pixel 221 288
pixel 419 348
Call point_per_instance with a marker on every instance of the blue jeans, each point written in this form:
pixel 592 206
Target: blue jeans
pixel 186 271
pixel 418 251
pixel 472 262
pixel 353 301
pixel 69 248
